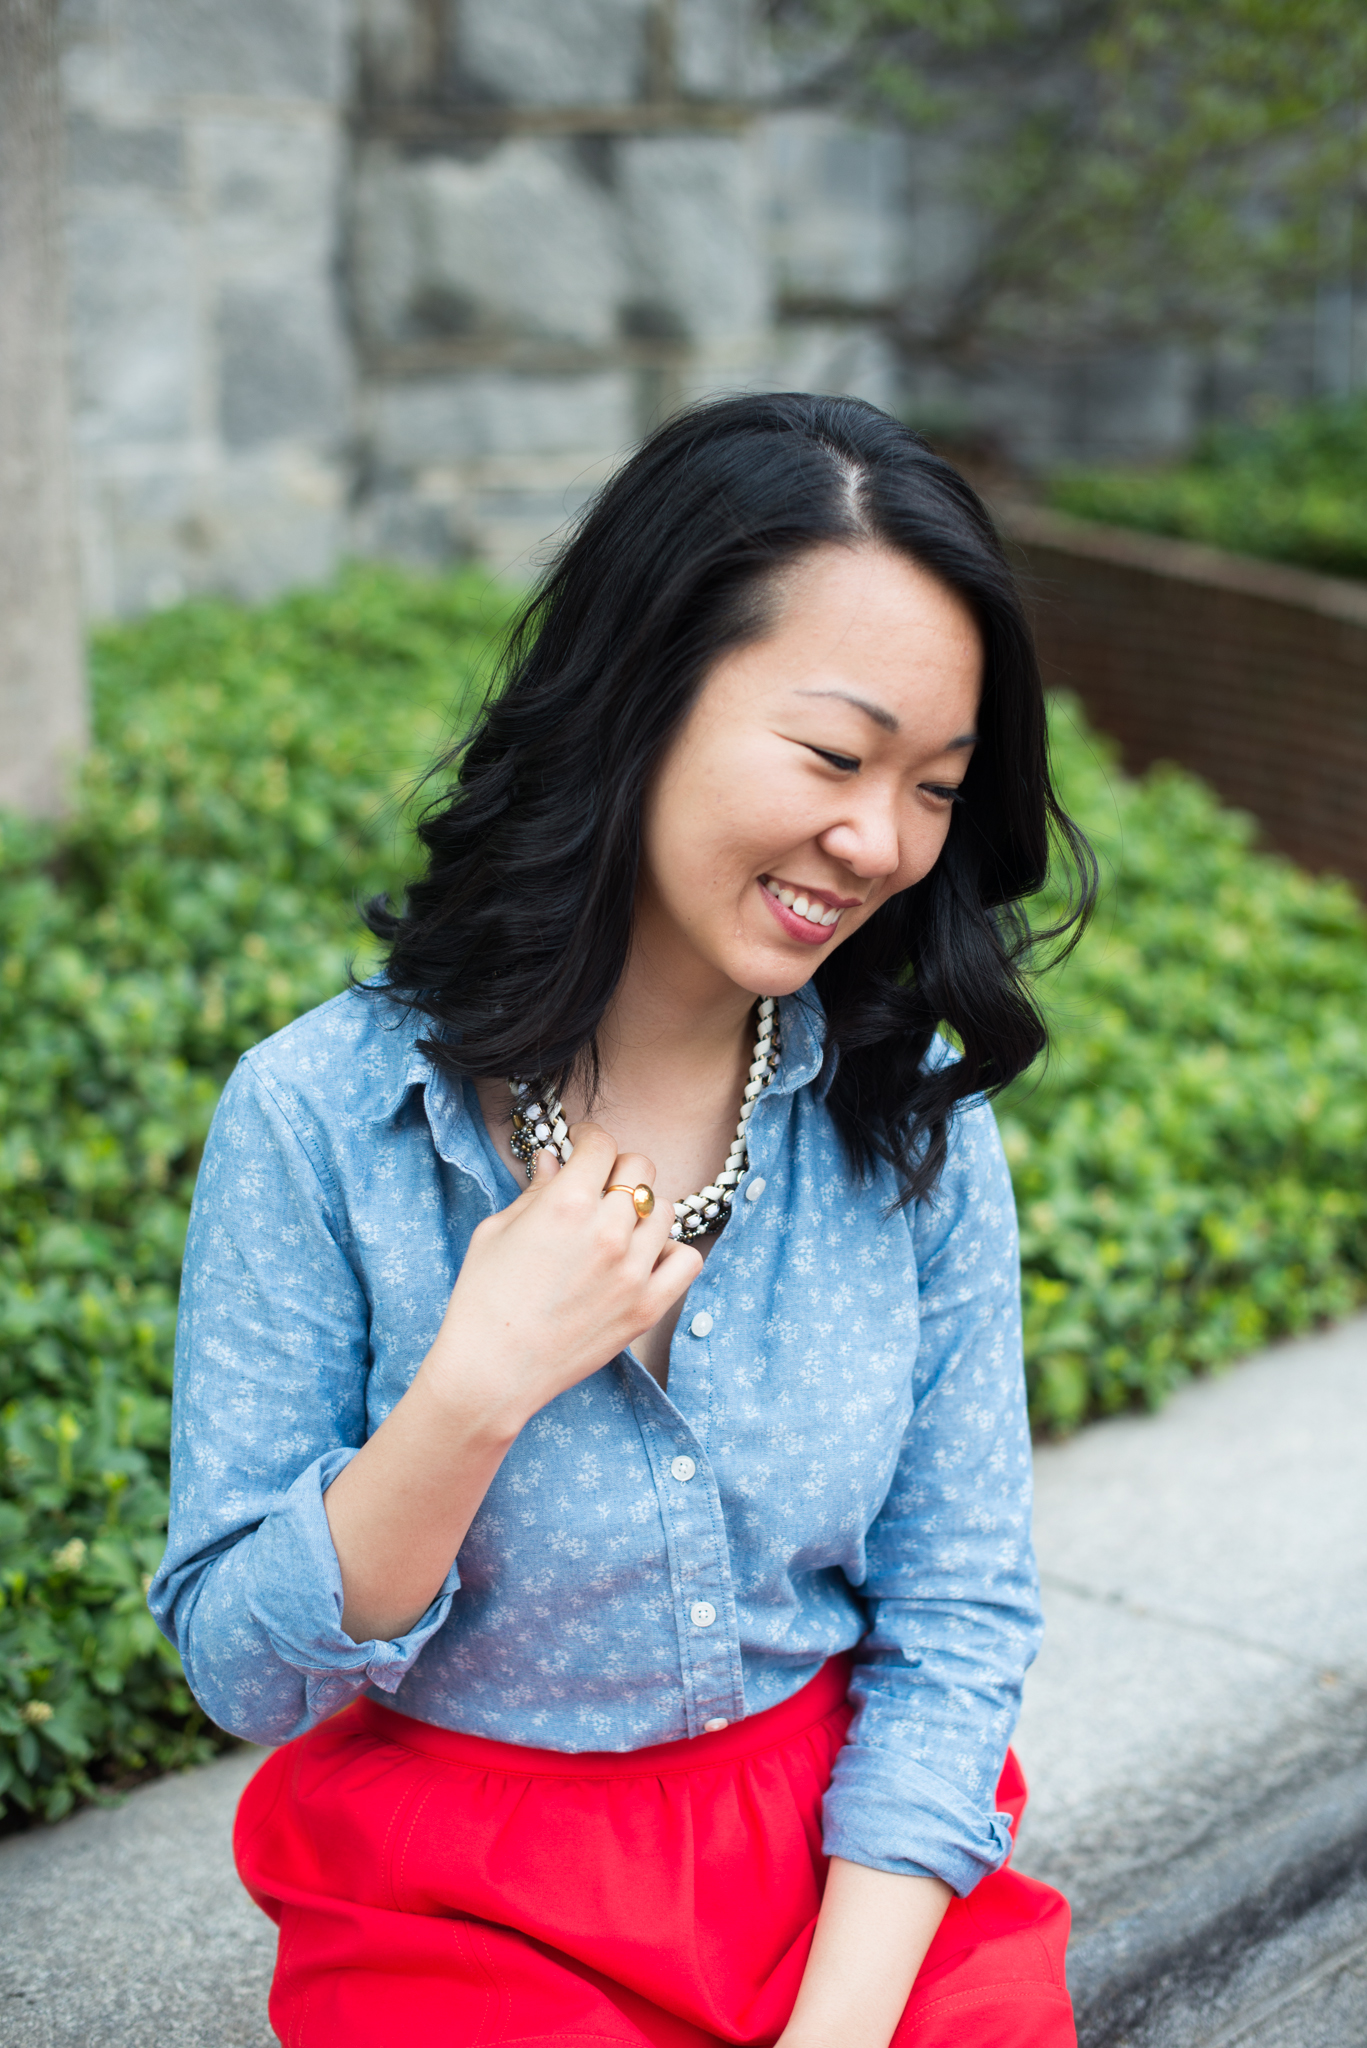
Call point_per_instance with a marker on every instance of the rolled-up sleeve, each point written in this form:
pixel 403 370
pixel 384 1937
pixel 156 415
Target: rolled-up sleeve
pixel 272 1357
pixel 950 1581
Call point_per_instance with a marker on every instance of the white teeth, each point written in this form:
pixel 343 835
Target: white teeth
pixel 802 906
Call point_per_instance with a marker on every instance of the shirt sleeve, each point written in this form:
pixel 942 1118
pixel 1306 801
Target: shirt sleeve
pixel 272 1356
pixel 950 1580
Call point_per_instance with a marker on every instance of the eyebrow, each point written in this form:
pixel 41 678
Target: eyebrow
pixel 881 716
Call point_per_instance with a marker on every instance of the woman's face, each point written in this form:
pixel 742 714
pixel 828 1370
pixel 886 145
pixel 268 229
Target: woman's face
pixel 813 778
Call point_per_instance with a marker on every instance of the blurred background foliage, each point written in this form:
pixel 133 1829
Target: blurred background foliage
pixel 1136 169
pixel 245 784
pixel 1188 1166
pixel 1293 488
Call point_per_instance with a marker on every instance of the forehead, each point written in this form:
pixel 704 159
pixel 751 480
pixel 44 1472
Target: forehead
pixel 867 631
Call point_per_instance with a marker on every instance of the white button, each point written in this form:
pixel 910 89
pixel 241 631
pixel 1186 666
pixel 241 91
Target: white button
pixel 715 1727
pixel 755 1188
pixel 701 1325
pixel 682 1469
pixel 702 1614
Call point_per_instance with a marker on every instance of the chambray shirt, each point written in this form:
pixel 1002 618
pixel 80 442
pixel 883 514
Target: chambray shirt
pixel 841 1460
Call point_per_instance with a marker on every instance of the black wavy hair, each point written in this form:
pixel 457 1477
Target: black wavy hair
pixel 514 939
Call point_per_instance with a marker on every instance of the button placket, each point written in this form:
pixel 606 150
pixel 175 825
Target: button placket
pixel 711 1676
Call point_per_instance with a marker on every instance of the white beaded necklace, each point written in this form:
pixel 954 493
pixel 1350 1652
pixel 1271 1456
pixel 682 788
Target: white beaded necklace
pixel 539 1126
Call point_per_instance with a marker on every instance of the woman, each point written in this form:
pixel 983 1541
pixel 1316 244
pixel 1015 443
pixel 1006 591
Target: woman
pixel 631 1549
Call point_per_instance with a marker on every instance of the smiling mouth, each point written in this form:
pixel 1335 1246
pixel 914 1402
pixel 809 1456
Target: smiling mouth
pixel 818 916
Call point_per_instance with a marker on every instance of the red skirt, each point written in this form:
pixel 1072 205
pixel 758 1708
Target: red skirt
pixel 436 1890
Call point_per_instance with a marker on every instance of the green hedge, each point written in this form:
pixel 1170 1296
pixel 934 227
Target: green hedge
pixel 1189 1166
pixel 1294 489
pixel 237 798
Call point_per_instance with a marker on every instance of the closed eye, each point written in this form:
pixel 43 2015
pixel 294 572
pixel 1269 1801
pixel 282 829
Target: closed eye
pixel 948 791
pixel 847 763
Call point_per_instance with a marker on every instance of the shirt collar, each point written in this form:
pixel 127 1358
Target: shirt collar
pixel 443 1099
pixel 802 1032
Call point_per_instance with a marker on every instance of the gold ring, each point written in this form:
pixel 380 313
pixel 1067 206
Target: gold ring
pixel 642 1196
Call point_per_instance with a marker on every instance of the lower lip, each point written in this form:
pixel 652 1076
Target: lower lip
pixel 797 927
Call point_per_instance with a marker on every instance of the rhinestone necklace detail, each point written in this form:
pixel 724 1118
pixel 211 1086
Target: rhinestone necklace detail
pixel 539 1126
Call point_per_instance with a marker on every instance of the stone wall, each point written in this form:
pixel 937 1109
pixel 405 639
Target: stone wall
pixel 408 277
pixel 568 220
pixel 211 359
pixel 1252 675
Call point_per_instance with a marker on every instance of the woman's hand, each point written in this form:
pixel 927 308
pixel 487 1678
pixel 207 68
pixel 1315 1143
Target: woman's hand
pixel 871 1938
pixel 557 1284
pixel 550 1289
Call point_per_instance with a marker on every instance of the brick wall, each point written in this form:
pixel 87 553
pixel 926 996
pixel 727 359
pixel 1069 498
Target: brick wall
pixel 1251 674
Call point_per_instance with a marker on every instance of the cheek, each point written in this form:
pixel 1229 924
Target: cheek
pixel 921 841
pixel 720 812
pixel 686 831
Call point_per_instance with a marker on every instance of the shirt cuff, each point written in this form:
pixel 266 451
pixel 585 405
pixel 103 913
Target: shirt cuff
pixel 900 1817
pixel 294 1592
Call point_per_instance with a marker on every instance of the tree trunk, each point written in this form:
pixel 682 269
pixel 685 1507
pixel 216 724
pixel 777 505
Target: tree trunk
pixel 43 711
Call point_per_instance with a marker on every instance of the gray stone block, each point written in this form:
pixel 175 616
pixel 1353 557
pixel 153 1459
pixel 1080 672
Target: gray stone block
pixel 397 46
pixel 440 420
pixel 199 522
pixel 272 49
pixel 570 53
pixel 509 512
pixel 517 243
pixel 718 49
pixel 846 358
pixel 397 526
pixel 280 374
pixel 101 154
pixel 271 192
pixel 838 197
pixel 77 18
pixel 135 344
pixel 694 214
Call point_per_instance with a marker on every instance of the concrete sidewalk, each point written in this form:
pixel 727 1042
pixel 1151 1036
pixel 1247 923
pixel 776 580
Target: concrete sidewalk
pixel 1195 1734
pixel 1195 1731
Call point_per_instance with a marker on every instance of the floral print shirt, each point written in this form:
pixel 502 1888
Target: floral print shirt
pixel 841 1461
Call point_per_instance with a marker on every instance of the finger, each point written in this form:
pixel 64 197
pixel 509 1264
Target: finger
pixel 676 1268
pixel 633 1168
pixel 593 1152
pixel 544 1169
pixel 650 1237
pixel 630 1170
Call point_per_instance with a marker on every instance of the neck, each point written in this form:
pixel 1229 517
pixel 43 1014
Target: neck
pixel 670 1018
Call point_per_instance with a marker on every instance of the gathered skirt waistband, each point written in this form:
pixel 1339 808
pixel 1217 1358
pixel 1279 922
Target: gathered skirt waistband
pixel 442 1888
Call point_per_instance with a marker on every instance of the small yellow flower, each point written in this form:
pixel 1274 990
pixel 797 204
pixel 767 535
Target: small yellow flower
pixel 70 1557
pixel 35 1712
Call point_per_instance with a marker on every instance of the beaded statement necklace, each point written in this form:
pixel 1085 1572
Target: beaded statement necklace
pixel 539 1126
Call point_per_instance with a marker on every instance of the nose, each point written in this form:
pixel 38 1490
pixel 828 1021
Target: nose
pixel 866 839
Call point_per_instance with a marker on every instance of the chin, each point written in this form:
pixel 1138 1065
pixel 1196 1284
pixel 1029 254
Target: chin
pixel 764 973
